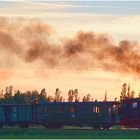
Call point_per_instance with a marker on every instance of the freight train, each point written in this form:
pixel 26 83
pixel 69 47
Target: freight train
pixel 53 115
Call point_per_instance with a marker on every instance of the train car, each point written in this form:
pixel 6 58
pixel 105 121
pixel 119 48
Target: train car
pixel 16 114
pixel 129 112
pixel 96 114
pixel 56 114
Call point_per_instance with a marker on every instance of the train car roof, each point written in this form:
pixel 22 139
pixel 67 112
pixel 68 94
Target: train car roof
pixel 100 102
pixel 131 100
pixel 66 103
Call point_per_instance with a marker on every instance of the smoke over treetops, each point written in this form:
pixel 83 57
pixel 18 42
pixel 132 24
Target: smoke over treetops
pixel 30 41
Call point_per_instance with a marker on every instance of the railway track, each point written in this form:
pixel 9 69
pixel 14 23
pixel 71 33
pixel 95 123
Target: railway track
pixel 64 129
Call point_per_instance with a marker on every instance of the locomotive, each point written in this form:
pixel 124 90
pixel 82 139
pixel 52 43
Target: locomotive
pixel 129 112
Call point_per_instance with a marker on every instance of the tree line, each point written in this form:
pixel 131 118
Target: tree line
pixel 34 97
pixel 28 97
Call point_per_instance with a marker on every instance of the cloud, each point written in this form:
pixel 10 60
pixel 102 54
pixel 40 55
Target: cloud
pixel 30 42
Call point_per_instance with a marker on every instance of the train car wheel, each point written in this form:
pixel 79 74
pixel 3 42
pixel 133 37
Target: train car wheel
pixel 45 125
pixel 58 126
pixel 24 125
pixel 53 126
pixel 106 127
pixel 96 127
pixel 11 124
pixel 1 126
pixel 49 126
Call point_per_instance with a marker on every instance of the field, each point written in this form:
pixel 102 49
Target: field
pixel 67 133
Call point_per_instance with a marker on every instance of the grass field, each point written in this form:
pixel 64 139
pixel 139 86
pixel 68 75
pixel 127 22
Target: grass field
pixel 65 133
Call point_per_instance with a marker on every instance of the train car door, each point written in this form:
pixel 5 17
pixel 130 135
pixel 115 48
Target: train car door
pixel 34 113
pixel 7 113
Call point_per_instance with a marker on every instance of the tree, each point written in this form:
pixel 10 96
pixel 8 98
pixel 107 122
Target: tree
pixel 43 96
pixel 31 96
pixel 19 97
pixel 8 99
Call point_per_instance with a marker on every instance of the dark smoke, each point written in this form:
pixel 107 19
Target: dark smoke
pixel 30 41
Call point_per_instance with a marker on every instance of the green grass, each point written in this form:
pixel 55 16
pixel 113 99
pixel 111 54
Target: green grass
pixel 72 133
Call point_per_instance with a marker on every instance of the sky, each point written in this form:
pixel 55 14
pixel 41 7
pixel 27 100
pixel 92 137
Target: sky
pixel 62 21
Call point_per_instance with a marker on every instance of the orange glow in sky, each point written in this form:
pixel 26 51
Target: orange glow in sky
pixel 58 23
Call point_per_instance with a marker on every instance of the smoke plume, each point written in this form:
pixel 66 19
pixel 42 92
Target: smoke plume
pixel 30 41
